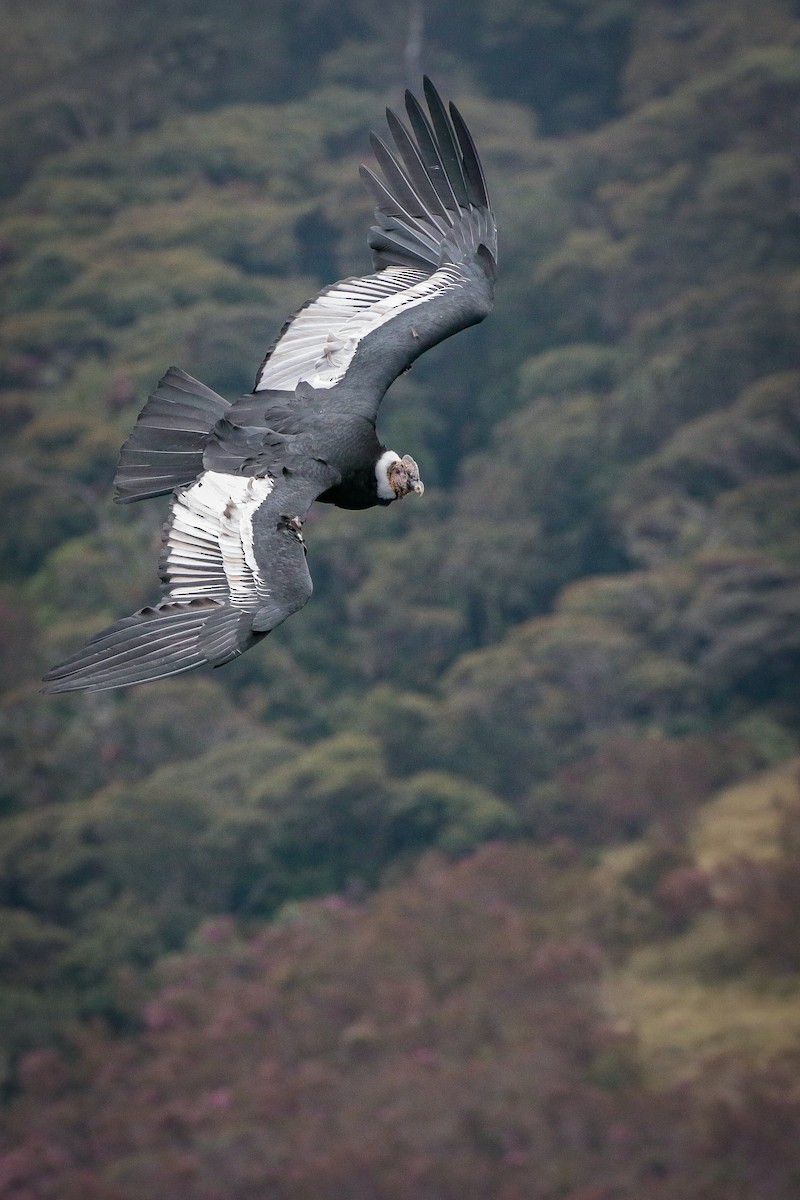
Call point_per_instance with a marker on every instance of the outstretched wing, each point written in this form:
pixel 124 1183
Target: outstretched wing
pixel 240 540
pixel 232 567
pixel 435 248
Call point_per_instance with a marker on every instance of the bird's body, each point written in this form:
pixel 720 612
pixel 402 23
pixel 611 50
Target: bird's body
pixel 244 474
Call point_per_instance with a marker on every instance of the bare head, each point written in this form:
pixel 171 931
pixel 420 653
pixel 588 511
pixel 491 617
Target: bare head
pixel 397 476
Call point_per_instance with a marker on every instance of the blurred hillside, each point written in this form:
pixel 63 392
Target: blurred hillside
pixel 587 629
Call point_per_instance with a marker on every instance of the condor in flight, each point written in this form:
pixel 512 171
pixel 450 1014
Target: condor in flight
pixel 244 474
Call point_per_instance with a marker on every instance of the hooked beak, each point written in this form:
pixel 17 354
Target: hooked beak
pixel 418 487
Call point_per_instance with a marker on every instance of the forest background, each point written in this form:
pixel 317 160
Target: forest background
pixel 480 878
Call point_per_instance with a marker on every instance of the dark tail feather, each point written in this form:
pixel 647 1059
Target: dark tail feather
pixel 167 639
pixel 165 449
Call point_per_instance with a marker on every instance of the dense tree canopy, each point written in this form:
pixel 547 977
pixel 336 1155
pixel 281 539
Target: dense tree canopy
pixel 586 628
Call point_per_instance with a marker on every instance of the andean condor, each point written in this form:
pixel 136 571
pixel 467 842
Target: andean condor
pixel 244 474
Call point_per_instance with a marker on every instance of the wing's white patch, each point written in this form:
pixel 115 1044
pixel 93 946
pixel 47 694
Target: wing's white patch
pixel 321 340
pixel 209 545
pixel 385 489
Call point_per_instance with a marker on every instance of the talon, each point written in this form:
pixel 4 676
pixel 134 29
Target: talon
pixel 292 526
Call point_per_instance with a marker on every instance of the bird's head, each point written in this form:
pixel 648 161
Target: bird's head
pixel 403 477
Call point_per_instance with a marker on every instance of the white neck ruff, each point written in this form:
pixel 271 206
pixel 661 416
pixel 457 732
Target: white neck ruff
pixel 385 489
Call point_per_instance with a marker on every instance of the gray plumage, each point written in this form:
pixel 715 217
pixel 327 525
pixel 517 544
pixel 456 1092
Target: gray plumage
pixel 244 474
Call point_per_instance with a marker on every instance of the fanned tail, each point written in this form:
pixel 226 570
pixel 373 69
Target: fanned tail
pixel 166 639
pixel 165 449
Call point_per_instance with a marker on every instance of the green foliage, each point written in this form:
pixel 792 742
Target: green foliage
pixel 337 817
pixel 727 616
pixel 636 787
pixel 247 826
pixel 257 236
pixel 547 692
pixel 669 48
pixel 433 991
pixel 579 49
pixel 587 625
pixel 437 809
pixel 95 78
pixel 171 279
pixel 759 895
pixel 676 501
pixel 65 752
pixel 456 1013
pixel 573 368
pixel 98 572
